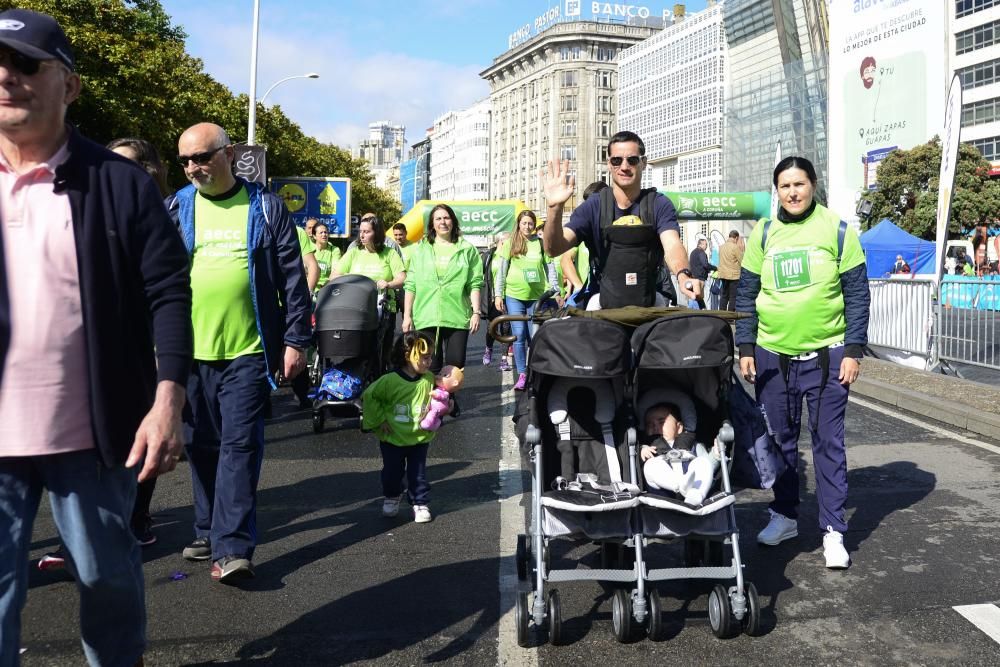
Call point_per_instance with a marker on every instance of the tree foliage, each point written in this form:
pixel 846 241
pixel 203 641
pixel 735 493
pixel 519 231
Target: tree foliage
pixel 907 191
pixel 138 81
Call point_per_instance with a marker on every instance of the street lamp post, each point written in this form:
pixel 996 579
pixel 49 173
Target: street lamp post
pixel 252 116
pixel 251 128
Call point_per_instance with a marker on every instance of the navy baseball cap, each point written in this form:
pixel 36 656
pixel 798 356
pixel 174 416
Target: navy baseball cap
pixel 35 35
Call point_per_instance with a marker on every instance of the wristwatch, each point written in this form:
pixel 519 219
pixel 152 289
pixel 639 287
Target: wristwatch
pixel 686 272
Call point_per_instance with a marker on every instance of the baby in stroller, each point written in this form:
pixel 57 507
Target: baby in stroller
pixel 674 460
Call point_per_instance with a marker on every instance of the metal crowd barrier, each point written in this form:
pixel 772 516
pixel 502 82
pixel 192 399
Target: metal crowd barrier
pixel 969 320
pixel 901 315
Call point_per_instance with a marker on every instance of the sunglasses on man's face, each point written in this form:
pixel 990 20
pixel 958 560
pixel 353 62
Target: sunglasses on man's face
pixel 633 160
pixel 21 63
pixel 198 158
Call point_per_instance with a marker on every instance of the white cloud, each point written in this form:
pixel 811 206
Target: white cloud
pixel 356 86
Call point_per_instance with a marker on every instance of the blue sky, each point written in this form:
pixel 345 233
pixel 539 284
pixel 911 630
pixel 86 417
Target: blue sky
pixel 403 61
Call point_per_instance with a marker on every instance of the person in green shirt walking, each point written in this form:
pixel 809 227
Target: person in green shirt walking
pixel 442 289
pixel 372 258
pixel 525 272
pixel 804 285
pixel 393 407
pixel 327 254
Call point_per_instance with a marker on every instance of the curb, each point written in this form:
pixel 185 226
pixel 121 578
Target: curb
pixel 933 407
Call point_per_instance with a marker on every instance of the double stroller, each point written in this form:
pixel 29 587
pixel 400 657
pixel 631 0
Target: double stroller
pixel 590 383
pixel 353 341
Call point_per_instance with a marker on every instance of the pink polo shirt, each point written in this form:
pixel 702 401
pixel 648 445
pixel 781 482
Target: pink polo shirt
pixel 44 400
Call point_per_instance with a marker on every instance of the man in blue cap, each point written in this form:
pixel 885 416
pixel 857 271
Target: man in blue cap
pixel 86 400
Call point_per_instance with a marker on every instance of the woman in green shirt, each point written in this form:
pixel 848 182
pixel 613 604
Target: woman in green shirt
pixel 524 274
pixel 372 258
pixel 327 255
pixel 442 289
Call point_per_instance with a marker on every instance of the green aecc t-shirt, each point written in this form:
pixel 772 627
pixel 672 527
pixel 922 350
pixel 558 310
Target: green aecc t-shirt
pixel 383 265
pixel 222 313
pixel 527 277
pixel 400 402
pixel 800 307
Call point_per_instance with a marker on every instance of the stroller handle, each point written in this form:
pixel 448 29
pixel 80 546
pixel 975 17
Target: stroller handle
pixel 497 322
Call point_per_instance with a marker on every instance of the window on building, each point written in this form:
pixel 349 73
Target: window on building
pixel 567 103
pixel 604 103
pixel 604 128
pixel 602 153
pixel 603 79
pixel 568 79
pixel 989 147
pixel 984 111
pixel 567 152
pixel 567 128
pixel 976 38
pixel 966 7
pixel 980 74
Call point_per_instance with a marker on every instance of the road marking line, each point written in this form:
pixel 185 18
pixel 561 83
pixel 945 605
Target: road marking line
pixel 985 617
pixel 511 524
pixel 930 427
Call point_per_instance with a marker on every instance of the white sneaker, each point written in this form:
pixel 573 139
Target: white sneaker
pixel 834 551
pixel 779 529
pixel 390 507
pixel 421 514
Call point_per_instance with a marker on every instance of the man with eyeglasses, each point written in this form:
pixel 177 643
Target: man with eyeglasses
pixel 618 212
pixel 250 313
pixel 87 400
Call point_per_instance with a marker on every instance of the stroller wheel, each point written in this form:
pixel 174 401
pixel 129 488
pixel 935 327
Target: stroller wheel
pixel 621 615
pixel 555 618
pixel 655 629
pixel 521 557
pixel 319 420
pixel 751 620
pixel 720 612
pixel 521 619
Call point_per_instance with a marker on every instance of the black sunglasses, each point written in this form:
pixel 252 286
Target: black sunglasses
pixel 23 64
pixel 633 160
pixel 198 158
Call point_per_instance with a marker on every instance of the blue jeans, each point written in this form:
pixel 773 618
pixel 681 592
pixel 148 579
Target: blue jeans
pixel 783 403
pixel 521 330
pixel 91 506
pixel 225 436
pixel 409 461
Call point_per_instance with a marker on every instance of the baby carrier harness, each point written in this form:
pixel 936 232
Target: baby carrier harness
pixel 629 256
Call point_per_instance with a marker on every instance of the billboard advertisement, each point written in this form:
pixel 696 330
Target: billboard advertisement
pixel 887 86
pixel 326 199
pixel 479 221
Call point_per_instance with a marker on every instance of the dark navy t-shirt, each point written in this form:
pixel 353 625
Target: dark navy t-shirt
pixel 586 219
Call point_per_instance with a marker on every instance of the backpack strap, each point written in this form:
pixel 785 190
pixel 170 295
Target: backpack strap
pixel 841 233
pixel 763 235
pixel 646 201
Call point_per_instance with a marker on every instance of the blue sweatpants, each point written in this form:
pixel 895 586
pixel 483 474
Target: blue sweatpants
pixel 783 404
pixel 225 436
pixel 409 461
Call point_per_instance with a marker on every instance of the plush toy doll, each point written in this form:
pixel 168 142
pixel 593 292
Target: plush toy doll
pixel 446 384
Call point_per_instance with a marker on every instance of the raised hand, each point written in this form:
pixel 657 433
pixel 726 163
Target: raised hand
pixel 557 182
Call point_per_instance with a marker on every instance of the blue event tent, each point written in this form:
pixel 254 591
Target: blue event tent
pixel 885 240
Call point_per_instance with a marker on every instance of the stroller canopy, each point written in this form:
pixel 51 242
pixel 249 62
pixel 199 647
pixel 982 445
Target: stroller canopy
pixel 580 347
pixel 348 303
pixel 689 340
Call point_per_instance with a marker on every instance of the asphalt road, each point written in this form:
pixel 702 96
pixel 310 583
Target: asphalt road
pixel 338 584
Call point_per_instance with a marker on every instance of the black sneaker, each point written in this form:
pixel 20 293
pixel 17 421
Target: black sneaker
pixel 144 536
pixel 232 568
pixel 200 549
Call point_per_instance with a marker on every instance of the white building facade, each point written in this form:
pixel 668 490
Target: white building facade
pixel 554 97
pixel 460 154
pixel 975 48
pixel 383 150
pixel 671 89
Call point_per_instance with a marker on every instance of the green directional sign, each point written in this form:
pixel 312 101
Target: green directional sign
pixel 720 205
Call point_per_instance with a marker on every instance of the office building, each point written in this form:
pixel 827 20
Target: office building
pixel 553 97
pixel 975 45
pixel 671 89
pixel 460 154
pixel 382 150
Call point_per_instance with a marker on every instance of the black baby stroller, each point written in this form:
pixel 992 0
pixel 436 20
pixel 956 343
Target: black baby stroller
pixel 686 359
pixel 351 330
pixel 572 420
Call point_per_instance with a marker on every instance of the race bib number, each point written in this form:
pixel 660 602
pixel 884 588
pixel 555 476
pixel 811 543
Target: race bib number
pixel 791 270
pixel 532 276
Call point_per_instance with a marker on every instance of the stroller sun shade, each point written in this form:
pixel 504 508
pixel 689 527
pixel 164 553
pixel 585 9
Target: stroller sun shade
pixel 683 341
pixel 347 303
pixel 580 347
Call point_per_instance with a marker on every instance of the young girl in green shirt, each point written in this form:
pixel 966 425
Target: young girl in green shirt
pixel 393 407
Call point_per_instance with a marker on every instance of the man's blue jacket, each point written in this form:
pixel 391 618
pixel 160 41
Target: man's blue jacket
pixel 278 286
